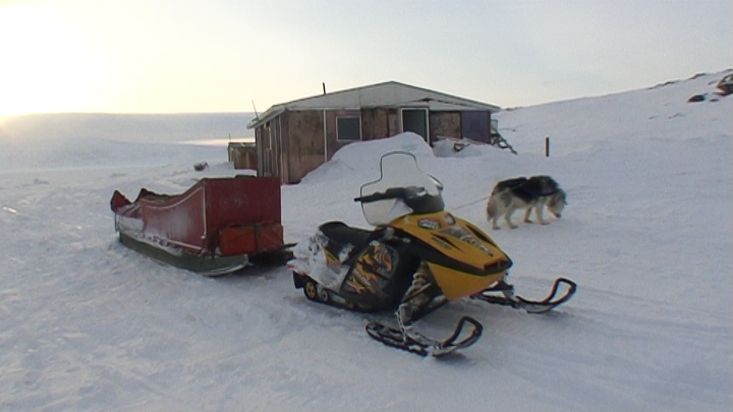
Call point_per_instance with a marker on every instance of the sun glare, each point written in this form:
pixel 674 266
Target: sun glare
pixel 46 66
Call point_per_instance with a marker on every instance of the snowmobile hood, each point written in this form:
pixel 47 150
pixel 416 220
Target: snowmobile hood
pixel 454 243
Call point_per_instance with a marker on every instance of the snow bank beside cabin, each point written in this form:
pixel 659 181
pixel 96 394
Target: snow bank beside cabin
pixel 362 158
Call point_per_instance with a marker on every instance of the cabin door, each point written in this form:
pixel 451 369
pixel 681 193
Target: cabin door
pixel 476 125
pixel 416 121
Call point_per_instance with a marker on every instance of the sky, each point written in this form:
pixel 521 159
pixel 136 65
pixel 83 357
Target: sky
pixel 183 56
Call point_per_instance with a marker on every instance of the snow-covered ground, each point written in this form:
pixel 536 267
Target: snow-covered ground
pixel 86 324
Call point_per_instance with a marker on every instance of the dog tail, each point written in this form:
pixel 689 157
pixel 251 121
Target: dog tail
pixel 491 208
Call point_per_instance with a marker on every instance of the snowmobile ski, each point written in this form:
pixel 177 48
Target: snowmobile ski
pixel 416 343
pixel 531 306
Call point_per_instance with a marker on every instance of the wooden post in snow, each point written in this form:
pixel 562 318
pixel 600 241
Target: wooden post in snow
pixel 547 147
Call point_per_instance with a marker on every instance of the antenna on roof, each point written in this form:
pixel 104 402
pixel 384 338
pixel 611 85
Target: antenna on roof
pixel 324 87
pixel 257 116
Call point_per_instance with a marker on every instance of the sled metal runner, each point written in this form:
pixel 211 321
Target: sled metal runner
pixel 205 265
pixel 531 306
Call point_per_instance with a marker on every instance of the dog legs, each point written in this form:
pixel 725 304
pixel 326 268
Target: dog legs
pixel 492 219
pixel 494 225
pixel 508 217
pixel 492 214
pixel 526 215
pixel 538 212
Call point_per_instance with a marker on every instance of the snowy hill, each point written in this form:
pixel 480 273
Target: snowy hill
pixel 86 324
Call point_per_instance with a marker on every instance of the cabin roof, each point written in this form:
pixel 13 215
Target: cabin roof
pixel 386 94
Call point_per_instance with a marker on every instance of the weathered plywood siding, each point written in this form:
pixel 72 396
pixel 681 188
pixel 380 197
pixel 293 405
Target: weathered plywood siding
pixel 269 151
pixel 445 124
pixel 304 132
pixel 375 124
pixel 276 131
pixel 243 155
pixel 394 122
pixel 293 143
pixel 263 150
pixel 331 134
pixel 284 148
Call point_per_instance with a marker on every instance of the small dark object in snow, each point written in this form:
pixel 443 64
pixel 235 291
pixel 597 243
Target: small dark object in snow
pixel 200 166
pixel 696 98
pixel 726 85
pixel 457 147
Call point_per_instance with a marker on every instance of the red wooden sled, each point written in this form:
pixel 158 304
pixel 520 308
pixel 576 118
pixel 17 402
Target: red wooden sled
pixel 215 227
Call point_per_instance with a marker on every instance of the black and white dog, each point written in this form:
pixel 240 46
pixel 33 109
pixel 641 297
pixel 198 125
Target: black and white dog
pixel 523 193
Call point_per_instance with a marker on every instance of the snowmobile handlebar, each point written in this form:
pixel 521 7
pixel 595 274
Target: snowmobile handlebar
pixel 416 198
pixel 391 193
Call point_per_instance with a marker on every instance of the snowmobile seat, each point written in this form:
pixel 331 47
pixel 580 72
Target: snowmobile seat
pixel 340 234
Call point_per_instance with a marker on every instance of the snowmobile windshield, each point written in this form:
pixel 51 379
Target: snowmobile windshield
pixel 402 189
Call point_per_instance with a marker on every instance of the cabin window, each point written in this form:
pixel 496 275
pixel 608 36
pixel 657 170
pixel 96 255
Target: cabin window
pixel 348 128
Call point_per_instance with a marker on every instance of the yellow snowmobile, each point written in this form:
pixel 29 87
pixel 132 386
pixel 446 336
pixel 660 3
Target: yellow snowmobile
pixel 417 258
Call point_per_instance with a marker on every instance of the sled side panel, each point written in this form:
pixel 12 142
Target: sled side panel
pixel 229 215
pixel 180 220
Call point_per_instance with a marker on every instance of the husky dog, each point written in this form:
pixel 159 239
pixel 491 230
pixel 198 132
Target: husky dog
pixel 523 193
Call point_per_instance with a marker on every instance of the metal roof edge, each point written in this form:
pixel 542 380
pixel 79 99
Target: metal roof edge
pixel 491 106
pixel 272 112
pixel 279 108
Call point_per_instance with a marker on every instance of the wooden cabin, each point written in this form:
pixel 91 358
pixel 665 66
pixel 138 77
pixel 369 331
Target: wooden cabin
pixel 294 138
